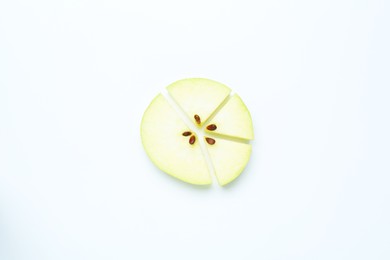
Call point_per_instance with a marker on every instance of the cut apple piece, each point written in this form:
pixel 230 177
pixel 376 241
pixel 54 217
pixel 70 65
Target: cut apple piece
pixel 229 159
pixel 233 120
pixel 171 145
pixel 198 97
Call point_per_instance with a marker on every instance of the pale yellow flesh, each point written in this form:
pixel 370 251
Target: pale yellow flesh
pixel 161 133
pixel 234 120
pixel 229 159
pixel 198 96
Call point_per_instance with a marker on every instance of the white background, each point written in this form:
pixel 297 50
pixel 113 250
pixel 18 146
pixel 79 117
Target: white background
pixel 76 77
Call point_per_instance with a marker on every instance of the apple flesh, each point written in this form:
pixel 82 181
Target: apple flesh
pixel 218 121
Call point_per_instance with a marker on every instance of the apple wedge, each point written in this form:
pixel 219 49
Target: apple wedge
pixel 233 120
pixel 164 137
pixel 229 159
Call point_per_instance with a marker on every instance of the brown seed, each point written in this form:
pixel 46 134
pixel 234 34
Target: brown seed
pixel 211 127
pixel 210 140
pixel 197 119
pixel 187 133
pixel 192 139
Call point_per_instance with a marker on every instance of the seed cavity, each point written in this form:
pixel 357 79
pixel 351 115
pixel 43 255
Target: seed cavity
pixel 187 133
pixel 210 141
pixel 197 119
pixel 192 139
pixel 211 127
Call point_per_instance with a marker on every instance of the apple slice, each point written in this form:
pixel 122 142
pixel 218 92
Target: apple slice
pixel 229 159
pixel 233 120
pixel 199 97
pixel 166 139
pixel 218 123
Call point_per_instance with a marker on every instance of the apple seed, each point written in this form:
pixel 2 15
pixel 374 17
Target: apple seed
pixel 187 133
pixel 211 127
pixel 210 140
pixel 197 119
pixel 192 139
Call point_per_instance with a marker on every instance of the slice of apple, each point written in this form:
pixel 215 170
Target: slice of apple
pixel 199 97
pixel 233 120
pixel 219 122
pixel 229 159
pixel 166 140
